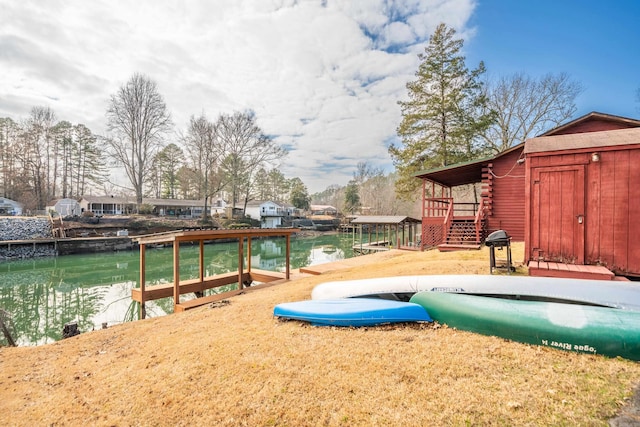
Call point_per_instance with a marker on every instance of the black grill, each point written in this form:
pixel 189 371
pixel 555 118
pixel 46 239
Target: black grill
pixel 499 239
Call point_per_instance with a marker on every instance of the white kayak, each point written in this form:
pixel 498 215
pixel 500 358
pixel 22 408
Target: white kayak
pixel 616 294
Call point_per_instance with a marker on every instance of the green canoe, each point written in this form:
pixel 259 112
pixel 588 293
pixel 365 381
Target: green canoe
pixel 581 328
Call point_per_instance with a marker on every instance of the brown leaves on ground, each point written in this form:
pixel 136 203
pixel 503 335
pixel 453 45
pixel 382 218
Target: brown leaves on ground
pixel 236 365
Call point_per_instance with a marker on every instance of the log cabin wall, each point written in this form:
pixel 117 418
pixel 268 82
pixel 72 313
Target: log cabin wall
pixel 503 187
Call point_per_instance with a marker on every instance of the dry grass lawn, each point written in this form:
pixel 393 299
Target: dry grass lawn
pixel 236 365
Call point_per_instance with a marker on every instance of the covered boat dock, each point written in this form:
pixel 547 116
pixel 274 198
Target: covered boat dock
pixel 381 232
pixel 179 287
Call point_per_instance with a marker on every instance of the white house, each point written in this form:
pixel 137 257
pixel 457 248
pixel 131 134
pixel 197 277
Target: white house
pixel 65 207
pixel 269 213
pixel 218 206
pixel 110 205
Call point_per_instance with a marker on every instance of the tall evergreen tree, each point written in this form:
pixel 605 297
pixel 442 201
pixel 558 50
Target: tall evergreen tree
pixel 299 195
pixel 169 161
pixel 444 115
pixel 351 197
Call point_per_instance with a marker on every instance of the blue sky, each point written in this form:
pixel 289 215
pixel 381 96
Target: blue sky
pixel 323 76
pixel 596 42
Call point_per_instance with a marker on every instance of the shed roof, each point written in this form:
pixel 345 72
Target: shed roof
pixel 384 219
pixel 594 115
pixel 576 141
pixel 462 173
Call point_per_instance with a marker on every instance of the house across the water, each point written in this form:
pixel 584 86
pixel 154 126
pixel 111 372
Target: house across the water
pixel 113 205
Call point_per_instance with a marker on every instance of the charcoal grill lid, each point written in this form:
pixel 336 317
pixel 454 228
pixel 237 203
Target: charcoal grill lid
pixel 497 237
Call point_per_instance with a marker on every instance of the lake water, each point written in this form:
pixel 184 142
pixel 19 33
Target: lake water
pixel 43 294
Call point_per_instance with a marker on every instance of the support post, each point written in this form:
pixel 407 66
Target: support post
pixel 240 261
pixel 143 269
pixel 287 271
pixel 249 254
pixel 201 263
pixel 176 273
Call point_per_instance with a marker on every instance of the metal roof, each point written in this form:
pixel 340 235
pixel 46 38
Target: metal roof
pixel 577 141
pixel 384 219
pixel 594 115
pixel 462 173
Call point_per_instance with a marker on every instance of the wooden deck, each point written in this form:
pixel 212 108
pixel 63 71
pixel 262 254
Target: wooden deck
pixel 557 269
pixel 244 276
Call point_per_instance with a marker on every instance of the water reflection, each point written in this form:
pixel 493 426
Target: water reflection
pixel 43 294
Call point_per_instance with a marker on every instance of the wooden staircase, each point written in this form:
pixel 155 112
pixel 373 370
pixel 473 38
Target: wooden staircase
pixel 461 235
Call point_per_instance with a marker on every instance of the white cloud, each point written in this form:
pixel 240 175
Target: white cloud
pixel 323 77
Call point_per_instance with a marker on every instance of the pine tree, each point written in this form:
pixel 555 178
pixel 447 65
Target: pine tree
pixel 444 115
pixel 299 195
pixel 351 197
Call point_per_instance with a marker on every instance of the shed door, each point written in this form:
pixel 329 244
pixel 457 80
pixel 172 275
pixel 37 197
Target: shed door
pixel 558 214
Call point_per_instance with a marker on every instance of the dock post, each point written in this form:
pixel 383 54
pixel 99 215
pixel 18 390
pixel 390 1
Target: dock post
pixel 240 261
pixel 287 272
pixel 143 309
pixel 249 254
pixel 176 274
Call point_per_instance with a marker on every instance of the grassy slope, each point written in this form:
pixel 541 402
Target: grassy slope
pixel 236 365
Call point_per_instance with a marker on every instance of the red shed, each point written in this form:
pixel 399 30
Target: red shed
pixel 583 198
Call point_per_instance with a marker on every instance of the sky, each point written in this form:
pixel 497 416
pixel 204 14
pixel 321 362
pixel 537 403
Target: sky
pixel 323 77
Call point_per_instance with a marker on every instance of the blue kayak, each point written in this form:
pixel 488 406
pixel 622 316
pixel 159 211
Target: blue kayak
pixel 352 312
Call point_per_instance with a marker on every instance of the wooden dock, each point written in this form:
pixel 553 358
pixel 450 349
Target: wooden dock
pixel 180 287
pixel 68 245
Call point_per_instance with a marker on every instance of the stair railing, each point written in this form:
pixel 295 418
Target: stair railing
pixel 448 220
pixel 479 221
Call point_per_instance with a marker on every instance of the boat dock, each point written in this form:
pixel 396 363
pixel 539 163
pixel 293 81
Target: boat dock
pixel 63 246
pixel 380 233
pixel 243 277
pixel 370 247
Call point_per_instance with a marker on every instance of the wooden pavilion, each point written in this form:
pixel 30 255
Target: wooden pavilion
pixel 201 283
pixel 376 233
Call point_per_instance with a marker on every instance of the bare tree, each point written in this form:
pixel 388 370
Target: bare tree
pixel 89 166
pixel 34 153
pixel 205 151
pixel 526 107
pixel 63 137
pixel 247 149
pixel 138 117
pixel 9 131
